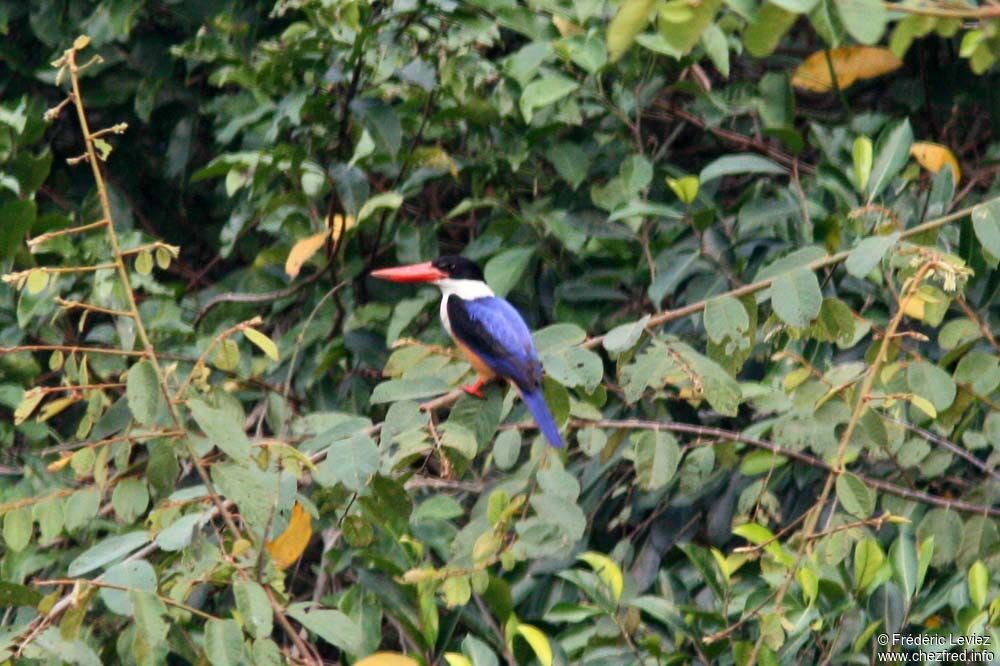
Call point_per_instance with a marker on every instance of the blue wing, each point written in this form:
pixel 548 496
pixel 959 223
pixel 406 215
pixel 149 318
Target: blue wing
pixel 495 331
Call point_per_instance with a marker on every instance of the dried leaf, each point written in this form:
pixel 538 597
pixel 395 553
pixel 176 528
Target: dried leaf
pixel 932 156
pixel 851 63
pixel 302 251
pixel 290 544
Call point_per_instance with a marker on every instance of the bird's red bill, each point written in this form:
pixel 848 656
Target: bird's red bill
pixel 424 272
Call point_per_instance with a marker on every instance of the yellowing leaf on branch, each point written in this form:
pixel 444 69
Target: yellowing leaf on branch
pixel 607 570
pixel 264 343
pixel 302 251
pixel 850 63
pixel 538 641
pixel 387 659
pixel 932 156
pixel 631 19
pixel 290 544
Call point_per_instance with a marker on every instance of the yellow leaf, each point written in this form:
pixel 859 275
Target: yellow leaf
pixel 387 659
pixel 851 63
pixel 795 378
pixel 264 343
pixel 565 27
pixel 923 404
pixel 456 659
pixel 302 251
pixel 290 544
pixel 631 19
pixel 27 405
pixel 37 280
pixel 538 641
pixel 607 570
pixel 341 224
pixel 915 307
pixel 685 188
pixel 932 156
pixel 57 465
pixel 53 407
pixel 435 157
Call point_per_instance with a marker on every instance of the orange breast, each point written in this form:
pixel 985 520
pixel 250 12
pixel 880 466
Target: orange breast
pixel 476 362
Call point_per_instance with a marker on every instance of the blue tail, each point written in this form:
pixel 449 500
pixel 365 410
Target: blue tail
pixel 543 417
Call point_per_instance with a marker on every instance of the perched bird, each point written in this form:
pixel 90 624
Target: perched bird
pixel 487 328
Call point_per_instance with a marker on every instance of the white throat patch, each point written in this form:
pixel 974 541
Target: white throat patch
pixel 467 290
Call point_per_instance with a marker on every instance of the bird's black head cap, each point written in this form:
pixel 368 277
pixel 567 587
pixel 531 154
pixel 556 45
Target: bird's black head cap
pixel 458 268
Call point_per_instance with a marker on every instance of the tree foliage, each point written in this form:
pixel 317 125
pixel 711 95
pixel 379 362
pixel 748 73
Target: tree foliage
pixel 758 244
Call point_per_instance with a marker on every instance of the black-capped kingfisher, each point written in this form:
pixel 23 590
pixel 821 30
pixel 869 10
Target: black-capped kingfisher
pixel 487 328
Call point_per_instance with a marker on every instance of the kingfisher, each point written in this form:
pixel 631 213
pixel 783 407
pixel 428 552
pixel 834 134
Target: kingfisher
pixel 488 329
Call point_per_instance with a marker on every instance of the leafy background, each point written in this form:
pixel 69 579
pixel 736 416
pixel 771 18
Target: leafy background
pixel 757 242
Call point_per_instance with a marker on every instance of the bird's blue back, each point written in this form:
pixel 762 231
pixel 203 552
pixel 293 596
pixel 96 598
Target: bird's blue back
pixel 496 332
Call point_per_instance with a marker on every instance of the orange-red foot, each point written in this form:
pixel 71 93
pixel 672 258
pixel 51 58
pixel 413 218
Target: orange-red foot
pixel 475 390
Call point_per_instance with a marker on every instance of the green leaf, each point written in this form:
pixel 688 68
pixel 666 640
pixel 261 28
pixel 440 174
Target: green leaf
pixel 868 559
pixel 408 389
pixel 505 270
pixel 81 507
pixel 725 317
pixel 17 527
pixel 18 215
pixel 717 47
pixel 865 20
pixel 891 155
pixel 332 626
pixel 136 575
pixel 142 390
pixel 227 357
pixel 384 200
pixel 223 642
pixel 144 263
pixel 351 462
pixel 765 31
pixel 855 496
pixel 507 449
pixel 622 338
pixel 862 156
pixel 796 297
pixel 130 499
pixel 656 458
pixel 545 91
pixel 867 254
pixel 931 382
pixel 148 612
pixel 903 555
pixel 253 490
pixel 979 584
pixel 264 343
pixel 739 164
pixel 107 550
pixel 13 595
pixel 682 35
pixel 222 428
pixel 986 223
pixel 254 607
pixel 632 17
pixel 179 533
